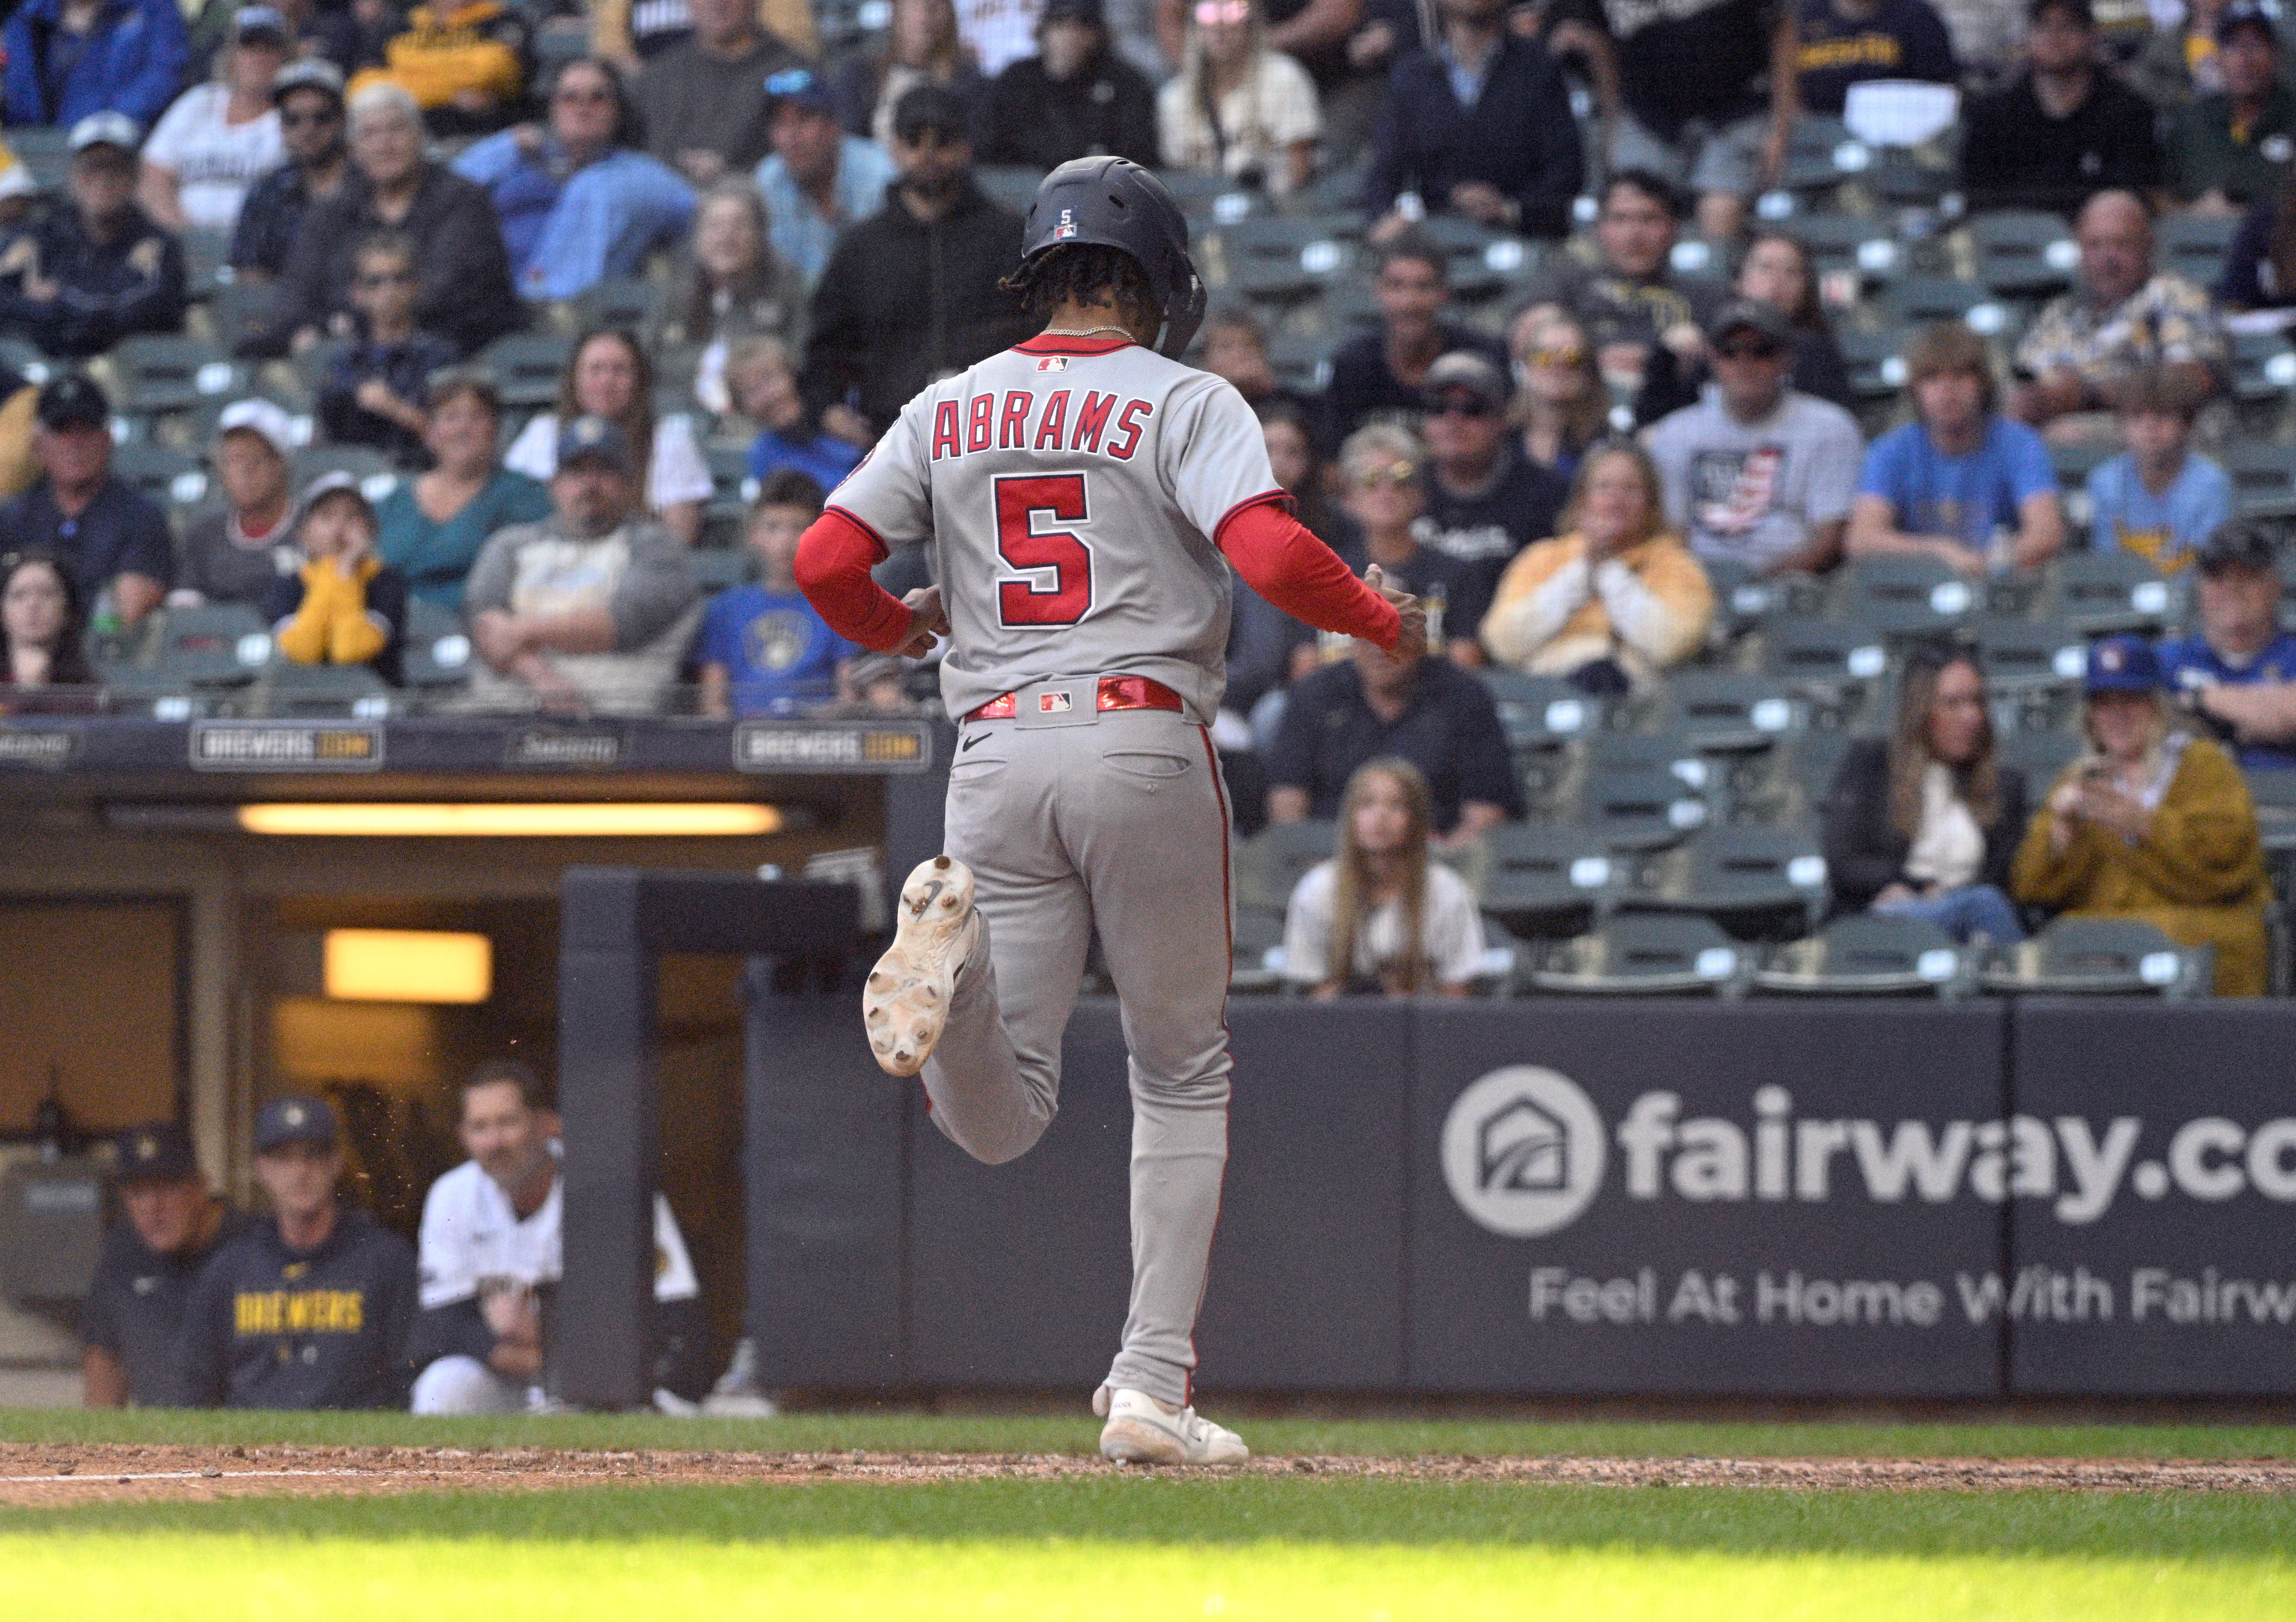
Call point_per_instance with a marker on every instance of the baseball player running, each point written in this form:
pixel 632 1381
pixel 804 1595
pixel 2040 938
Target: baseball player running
pixel 1081 489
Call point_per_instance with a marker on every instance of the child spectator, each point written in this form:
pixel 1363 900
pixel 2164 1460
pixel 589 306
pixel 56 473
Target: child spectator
pixel 762 648
pixel 2156 498
pixel 345 606
pixel 763 375
pixel 1379 917
pixel 372 391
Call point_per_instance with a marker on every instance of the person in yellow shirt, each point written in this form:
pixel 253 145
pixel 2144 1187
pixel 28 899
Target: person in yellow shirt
pixel 344 606
pixel 2150 823
pixel 464 61
pixel 1617 597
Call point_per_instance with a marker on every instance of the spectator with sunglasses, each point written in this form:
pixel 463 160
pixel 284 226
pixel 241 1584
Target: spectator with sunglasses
pixel 372 393
pixel 1756 472
pixel 1486 500
pixel 580 205
pixel 308 95
pixel 1382 472
pixel 1560 403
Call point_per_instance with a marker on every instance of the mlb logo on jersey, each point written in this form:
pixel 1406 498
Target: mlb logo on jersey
pixel 1053 704
pixel 1066 228
pixel 1052 363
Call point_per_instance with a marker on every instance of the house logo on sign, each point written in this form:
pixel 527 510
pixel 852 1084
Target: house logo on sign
pixel 1523 1150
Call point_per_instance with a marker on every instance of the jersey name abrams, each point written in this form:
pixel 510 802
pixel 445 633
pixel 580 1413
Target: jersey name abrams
pixel 1021 421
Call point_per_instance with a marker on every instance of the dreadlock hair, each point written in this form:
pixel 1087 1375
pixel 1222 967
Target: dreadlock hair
pixel 1089 272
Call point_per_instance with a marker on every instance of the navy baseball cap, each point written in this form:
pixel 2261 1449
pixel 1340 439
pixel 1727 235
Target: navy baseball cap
pixel 798 87
pixel 1766 321
pixel 1464 369
pixel 595 439
pixel 71 399
pixel 2237 546
pixel 2122 663
pixel 294 1120
pixel 929 106
pixel 158 1151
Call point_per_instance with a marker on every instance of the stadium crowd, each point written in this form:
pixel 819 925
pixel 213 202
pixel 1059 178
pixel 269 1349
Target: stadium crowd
pixel 522 340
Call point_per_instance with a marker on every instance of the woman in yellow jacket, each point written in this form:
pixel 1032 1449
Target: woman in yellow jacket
pixel 1617 597
pixel 2151 824
pixel 344 606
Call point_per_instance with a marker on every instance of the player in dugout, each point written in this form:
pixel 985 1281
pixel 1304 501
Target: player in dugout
pixel 1085 494
pixel 311 1308
pixel 133 1324
pixel 493 1252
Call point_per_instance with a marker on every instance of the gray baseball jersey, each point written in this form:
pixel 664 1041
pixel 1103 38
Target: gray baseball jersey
pixel 1072 489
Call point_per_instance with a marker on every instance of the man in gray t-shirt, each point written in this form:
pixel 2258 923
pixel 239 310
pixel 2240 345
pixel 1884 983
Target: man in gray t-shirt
pixel 1755 472
pixel 592 607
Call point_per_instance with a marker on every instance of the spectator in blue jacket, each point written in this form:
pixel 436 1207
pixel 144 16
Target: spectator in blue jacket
pixel 580 203
pixel 1480 125
pixel 66 62
pixel 87 276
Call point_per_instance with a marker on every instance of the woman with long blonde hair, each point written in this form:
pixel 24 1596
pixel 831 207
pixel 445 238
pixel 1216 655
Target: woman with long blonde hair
pixel 610 374
pixel 1380 916
pixel 1236 108
pixel 1560 403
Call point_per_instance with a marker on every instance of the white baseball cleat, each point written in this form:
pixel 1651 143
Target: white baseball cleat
pixel 906 1004
pixel 1141 1430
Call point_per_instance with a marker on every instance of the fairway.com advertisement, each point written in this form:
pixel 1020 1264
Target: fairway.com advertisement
pixel 1907 1199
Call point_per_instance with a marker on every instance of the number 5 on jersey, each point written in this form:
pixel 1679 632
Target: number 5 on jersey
pixel 1067 597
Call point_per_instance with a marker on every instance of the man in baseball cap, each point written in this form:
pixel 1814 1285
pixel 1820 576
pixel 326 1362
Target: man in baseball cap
pixel 1486 500
pixel 87 276
pixel 1757 473
pixel 2237 672
pixel 595 606
pixel 233 555
pixel 2230 148
pixel 309 93
pixel 313 1307
pixel 1076 98
pixel 114 537
pixel 818 179
pixel 131 1328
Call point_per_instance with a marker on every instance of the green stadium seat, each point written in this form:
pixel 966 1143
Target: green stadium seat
pixel 2095 593
pixel 1542 882
pixel 1645 955
pixel 1904 595
pixel 155 375
pixel 526 367
pixel 1868 955
pixel 1270 864
pixel 1759 883
pixel 2194 245
pixel 2024 255
pixel 2104 956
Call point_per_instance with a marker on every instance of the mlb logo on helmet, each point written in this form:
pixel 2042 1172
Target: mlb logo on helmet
pixel 1067 225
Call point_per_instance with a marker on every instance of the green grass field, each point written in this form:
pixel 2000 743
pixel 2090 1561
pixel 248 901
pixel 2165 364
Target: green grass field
pixel 1160 1546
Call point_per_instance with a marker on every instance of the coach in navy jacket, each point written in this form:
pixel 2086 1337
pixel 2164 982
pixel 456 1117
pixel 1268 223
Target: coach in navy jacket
pixel 1517 138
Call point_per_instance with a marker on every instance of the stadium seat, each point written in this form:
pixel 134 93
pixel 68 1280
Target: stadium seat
pixel 1013 187
pixel 1284 257
pixel 526 367
pixel 437 651
pixel 1876 362
pixel 2263 479
pixel 1838 665
pixel 1787 783
pixel 1645 955
pixel 235 311
pixel 1904 595
pixel 1920 300
pixel 1634 807
pixel 715 568
pixel 2032 669
pixel 1542 882
pixel 1259 937
pixel 172 478
pixel 1726 710
pixel 1540 711
pixel 2095 593
pixel 2194 245
pixel 2263 368
pixel 1759 883
pixel 2024 255
pixel 2038 756
pixel 629 304
pixel 204 253
pixel 1270 864
pixel 377 475
pixel 286 688
pixel 155 375
pixel 1868 955
pixel 2100 957
pixel 1843 243
pixel 219 645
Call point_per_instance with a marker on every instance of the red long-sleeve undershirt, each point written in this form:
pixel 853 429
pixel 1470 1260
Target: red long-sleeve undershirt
pixel 1278 556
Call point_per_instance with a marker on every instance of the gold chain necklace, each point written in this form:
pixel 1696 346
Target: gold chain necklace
pixel 1069 331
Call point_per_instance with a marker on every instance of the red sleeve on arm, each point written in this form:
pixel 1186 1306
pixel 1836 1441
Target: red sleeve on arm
pixel 833 560
pixel 1281 559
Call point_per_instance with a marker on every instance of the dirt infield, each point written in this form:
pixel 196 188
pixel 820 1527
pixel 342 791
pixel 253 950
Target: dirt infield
pixel 47 1474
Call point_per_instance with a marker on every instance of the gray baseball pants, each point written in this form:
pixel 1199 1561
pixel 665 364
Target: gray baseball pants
pixel 1119 820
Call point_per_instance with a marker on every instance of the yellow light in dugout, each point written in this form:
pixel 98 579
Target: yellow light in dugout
pixel 408 965
pixel 376 820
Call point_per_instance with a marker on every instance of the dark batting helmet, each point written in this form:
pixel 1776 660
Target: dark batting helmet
pixel 1115 203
